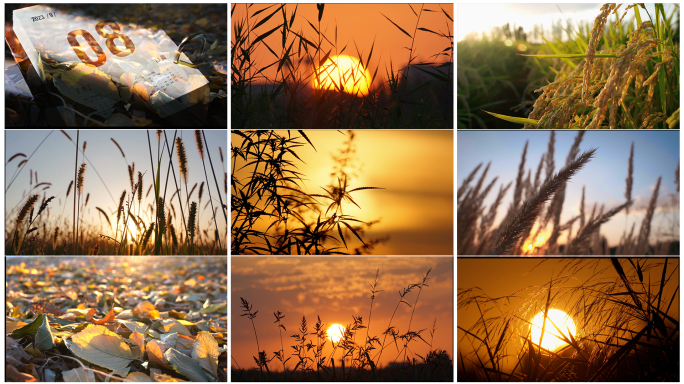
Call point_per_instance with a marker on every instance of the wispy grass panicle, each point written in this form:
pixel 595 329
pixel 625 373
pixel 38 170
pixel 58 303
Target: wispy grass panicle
pixel 530 210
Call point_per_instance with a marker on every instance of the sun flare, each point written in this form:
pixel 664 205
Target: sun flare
pixel 343 73
pixel 335 333
pixel 556 317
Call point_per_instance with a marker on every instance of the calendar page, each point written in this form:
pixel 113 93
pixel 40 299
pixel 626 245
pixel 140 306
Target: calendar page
pixel 98 61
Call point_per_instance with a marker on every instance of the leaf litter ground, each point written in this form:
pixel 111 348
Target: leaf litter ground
pixel 116 319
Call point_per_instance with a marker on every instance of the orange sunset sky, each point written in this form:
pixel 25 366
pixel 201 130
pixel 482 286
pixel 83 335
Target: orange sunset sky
pixel 360 24
pixel 335 289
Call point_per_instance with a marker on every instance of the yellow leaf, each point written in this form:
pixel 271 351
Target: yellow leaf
pixel 100 346
pixel 155 352
pixel 139 340
pixel 205 351
pixel 145 309
pixel 173 325
pixel 139 377
pixel 11 325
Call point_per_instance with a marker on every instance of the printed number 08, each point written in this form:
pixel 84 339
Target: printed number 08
pixel 101 58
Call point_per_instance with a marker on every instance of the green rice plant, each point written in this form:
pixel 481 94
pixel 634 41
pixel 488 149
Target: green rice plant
pixel 273 214
pixel 305 57
pixel 626 75
pixel 626 326
pixel 529 214
pixel 360 360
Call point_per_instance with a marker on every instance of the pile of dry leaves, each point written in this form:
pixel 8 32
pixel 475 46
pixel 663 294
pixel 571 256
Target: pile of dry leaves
pixel 116 319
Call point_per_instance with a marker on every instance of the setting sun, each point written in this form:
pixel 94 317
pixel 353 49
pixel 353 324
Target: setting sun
pixel 335 333
pixel 343 73
pixel 561 320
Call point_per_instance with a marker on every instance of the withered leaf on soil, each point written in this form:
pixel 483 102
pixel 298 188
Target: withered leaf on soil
pixel 52 319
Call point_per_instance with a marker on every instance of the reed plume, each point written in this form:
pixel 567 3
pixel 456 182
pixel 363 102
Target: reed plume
pixel 645 231
pixel 530 210
pixel 584 235
pixel 628 180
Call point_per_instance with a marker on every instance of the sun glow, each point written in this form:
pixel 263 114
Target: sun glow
pixel 342 73
pixel 335 333
pixel 556 317
pixel 131 231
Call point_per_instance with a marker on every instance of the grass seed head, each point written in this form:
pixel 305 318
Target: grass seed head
pixel 191 220
pixel 80 179
pixel 182 159
pixel 71 184
pixel 140 187
pixel 200 144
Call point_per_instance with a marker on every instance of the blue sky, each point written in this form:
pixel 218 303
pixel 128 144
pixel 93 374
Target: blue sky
pixel 656 153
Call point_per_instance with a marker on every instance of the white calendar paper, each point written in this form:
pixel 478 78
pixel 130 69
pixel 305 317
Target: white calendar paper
pixel 109 60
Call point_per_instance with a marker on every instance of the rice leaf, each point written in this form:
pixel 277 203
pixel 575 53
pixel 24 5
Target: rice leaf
pixel 519 120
